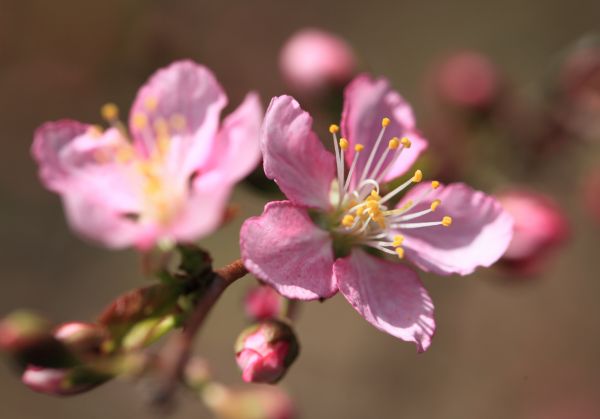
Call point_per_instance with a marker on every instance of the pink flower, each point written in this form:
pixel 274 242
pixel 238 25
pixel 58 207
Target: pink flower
pixel 335 228
pixel 539 226
pixel 171 181
pixel 313 60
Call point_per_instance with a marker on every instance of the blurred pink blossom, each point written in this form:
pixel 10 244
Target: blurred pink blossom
pixel 171 181
pixel 331 233
pixel 263 302
pixel 467 79
pixel 313 60
pixel 539 225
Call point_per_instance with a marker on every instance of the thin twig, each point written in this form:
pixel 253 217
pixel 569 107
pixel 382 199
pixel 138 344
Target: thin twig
pixel 177 349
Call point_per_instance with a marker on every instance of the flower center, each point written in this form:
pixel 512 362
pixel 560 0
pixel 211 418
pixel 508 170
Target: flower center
pixel 364 213
pixel 161 189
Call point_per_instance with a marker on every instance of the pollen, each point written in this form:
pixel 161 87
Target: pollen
pixel 435 184
pixel 140 120
pixel 393 144
pixel 385 122
pixel 110 112
pixel 343 144
pixel 405 142
pixel 435 204
pixel 151 103
pixel 178 122
pixel 446 221
pixel 359 147
pixel 418 176
pixel 348 220
pixel 333 128
pixel 400 252
pixel 398 240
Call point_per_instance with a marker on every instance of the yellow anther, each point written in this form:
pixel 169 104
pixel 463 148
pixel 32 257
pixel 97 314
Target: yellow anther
pixel 140 120
pixel 124 154
pixel 398 240
pixel 374 195
pixel 405 142
pixel 359 147
pixel 95 131
pixel 372 204
pixel 333 128
pixel 381 222
pixel 110 112
pixel 400 252
pixel 435 204
pixel 151 103
pixel 446 221
pixel 348 220
pixel 360 211
pixel 178 122
pixel 418 176
pixel 435 184
pixel 385 122
pixel 343 143
pixel 393 144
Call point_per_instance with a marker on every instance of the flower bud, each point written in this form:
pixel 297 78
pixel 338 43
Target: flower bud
pixel 313 60
pixel 265 350
pixel 60 382
pixel 263 302
pixel 539 225
pixel 80 338
pixel 255 402
pixel 467 79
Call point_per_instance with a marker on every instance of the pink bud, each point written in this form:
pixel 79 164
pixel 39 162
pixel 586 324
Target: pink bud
pixel 263 302
pixel 264 351
pixel 539 225
pixel 80 338
pixel 467 79
pixel 313 60
pixel 55 382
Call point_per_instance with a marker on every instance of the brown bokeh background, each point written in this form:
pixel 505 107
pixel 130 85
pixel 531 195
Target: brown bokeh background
pixel 503 348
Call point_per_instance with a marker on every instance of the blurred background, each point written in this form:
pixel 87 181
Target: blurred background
pixel 507 345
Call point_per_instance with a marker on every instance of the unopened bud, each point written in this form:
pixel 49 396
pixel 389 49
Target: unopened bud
pixel 539 225
pixel 60 382
pixel 264 351
pixel 313 61
pixel 263 302
pixel 81 338
pixel 467 79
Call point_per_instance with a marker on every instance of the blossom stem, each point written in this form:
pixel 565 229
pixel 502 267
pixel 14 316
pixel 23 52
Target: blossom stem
pixel 177 349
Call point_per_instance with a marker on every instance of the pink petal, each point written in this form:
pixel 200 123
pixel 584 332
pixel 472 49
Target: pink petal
pixel 366 103
pixel 284 248
pixel 203 210
pixel 479 235
pixel 49 141
pixel 293 155
pixel 182 89
pixel 236 151
pixel 388 295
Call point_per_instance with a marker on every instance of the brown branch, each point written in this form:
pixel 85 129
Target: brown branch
pixel 177 349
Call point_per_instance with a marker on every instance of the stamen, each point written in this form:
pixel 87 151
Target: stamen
pixel 400 252
pixel 446 221
pixel 348 220
pixel 384 123
pixel 392 145
pixel 405 142
pixel 435 204
pixel 417 177
pixel 110 112
pixel 333 129
pixel 398 240
pixel 357 149
pixel 151 103
pixel 140 121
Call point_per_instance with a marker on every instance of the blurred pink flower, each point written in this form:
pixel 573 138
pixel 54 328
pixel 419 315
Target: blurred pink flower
pixel 263 302
pixel 334 228
pixel 313 60
pixel 467 79
pixel 265 351
pixel 539 225
pixel 170 183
